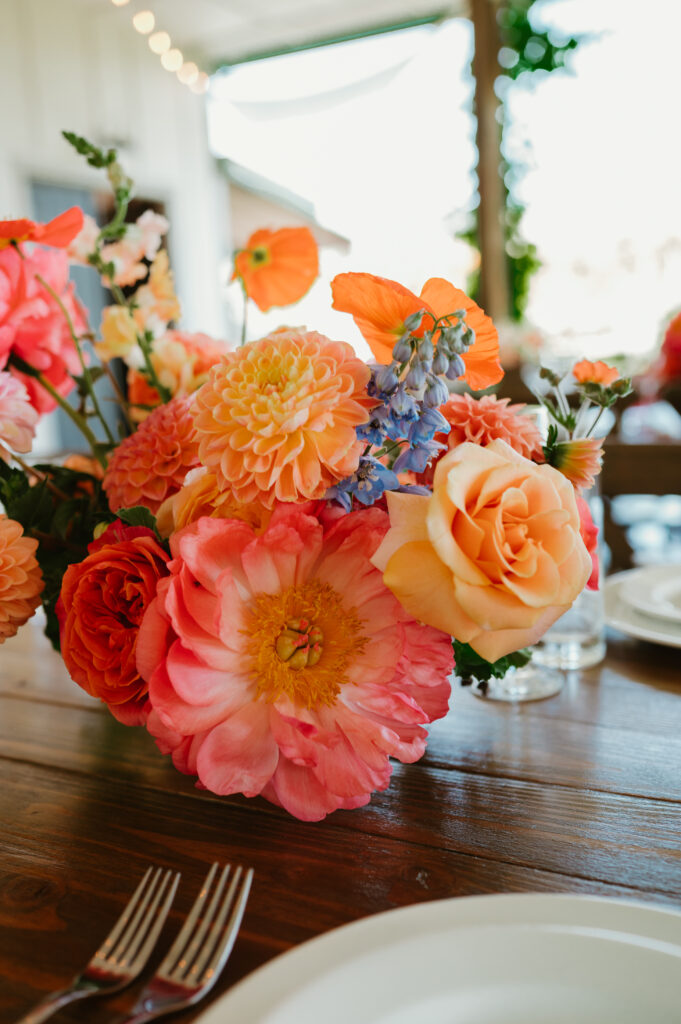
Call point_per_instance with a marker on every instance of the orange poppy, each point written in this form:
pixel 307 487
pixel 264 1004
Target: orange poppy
pixel 276 268
pixel 380 307
pixel 586 372
pixel 58 232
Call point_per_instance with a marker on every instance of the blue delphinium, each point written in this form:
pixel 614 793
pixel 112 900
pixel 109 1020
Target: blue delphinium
pixel 409 390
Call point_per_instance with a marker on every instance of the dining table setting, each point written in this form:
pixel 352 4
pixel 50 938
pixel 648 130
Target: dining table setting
pixel 316 699
pixel 578 795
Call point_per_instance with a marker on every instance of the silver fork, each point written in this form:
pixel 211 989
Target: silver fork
pixel 201 949
pixel 125 950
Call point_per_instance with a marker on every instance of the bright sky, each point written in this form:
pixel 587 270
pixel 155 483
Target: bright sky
pixel 378 135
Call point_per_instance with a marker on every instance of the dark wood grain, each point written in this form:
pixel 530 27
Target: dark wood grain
pixel 580 794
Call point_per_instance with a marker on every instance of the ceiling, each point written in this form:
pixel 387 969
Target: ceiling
pixel 215 32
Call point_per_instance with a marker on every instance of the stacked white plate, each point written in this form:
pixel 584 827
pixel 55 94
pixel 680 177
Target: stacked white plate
pixel 646 603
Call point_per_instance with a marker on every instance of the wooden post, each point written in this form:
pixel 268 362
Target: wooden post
pixel 494 290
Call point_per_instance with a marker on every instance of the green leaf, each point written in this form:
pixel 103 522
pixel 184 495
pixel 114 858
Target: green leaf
pixel 95 156
pixel 138 515
pixel 471 666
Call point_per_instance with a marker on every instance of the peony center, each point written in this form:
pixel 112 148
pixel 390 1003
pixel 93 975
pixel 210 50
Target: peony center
pixel 301 644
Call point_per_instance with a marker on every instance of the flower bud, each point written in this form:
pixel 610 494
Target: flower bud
pixel 440 362
pixel 413 322
pixel 402 350
pixel 416 377
pixel 456 368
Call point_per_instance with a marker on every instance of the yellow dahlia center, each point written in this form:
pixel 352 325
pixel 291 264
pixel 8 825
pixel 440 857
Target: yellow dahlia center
pixel 301 643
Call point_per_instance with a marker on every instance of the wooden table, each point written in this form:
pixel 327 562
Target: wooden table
pixel 580 793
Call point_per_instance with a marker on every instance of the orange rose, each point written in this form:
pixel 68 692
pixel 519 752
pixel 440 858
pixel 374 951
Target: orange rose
pixel 102 601
pixel 494 556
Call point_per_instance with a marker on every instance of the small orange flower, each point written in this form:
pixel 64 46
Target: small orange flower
pixel 276 268
pixel 57 232
pixel 579 460
pixel 586 372
pixel 380 307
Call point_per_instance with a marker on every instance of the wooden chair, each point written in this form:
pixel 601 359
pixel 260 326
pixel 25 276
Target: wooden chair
pixel 635 469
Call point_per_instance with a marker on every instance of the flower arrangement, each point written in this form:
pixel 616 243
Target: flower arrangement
pixel 268 569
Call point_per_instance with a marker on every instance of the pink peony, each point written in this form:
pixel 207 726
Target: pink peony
pixel 151 464
pixel 18 418
pixel 32 326
pixel 483 420
pixel 279 664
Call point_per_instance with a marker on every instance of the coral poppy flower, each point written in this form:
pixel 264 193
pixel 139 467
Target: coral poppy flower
pixel 586 372
pixel 58 232
pixel 380 307
pixel 280 664
pixel 277 268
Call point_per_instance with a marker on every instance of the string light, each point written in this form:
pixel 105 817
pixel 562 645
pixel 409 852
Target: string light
pixel 188 73
pixel 144 22
pixel 172 60
pixel 200 85
pixel 159 42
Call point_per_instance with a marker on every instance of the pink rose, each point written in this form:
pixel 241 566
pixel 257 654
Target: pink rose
pixel 494 556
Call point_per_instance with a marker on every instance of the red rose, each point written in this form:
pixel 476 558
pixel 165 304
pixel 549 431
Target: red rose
pixel 103 599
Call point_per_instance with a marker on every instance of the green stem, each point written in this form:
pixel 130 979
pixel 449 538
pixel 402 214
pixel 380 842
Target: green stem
pixel 84 367
pixel 593 425
pixel 243 325
pixel 79 421
pixel 40 477
pixel 122 400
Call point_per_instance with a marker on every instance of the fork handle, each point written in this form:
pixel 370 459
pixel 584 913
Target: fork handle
pixel 51 1003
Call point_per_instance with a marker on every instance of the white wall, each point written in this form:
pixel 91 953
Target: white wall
pixel 80 65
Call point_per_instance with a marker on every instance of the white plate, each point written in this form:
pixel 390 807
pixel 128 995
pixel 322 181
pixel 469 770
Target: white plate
pixel 655 591
pixel 517 959
pixel 620 615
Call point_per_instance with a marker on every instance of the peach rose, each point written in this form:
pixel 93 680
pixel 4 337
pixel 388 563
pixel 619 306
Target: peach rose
pixel 494 556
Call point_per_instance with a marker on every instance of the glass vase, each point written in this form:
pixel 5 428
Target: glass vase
pixel 577 639
pixel 531 682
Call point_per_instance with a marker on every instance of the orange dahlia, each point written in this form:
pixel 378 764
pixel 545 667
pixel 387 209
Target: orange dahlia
pixel 152 463
pixel 486 419
pixel 276 268
pixel 276 419
pixel 21 580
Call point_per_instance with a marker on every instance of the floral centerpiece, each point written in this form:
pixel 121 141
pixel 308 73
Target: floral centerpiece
pixel 267 570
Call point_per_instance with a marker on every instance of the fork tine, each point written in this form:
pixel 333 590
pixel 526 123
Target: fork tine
pixel 117 953
pixel 113 936
pixel 180 942
pixel 141 946
pixel 198 939
pixel 211 961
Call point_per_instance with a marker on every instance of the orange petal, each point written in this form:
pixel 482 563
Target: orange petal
pixel 378 306
pixel 61 230
pixel 482 359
